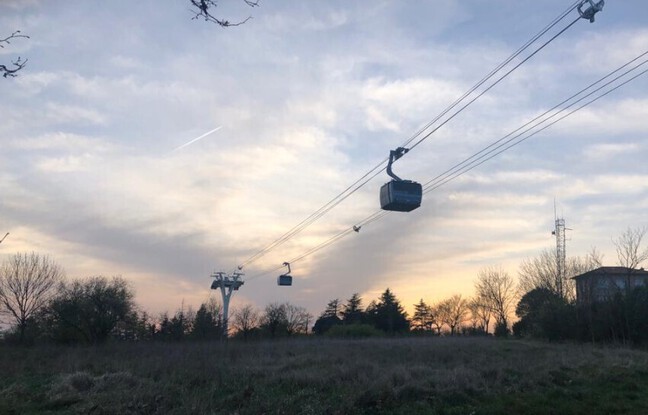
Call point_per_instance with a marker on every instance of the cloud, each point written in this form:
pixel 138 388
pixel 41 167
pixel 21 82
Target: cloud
pixel 310 97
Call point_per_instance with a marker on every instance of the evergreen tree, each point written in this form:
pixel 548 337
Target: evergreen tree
pixel 422 318
pixel 388 315
pixel 352 311
pixel 328 318
pixel 206 325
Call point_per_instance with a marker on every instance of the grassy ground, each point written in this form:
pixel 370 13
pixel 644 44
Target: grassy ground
pixel 326 376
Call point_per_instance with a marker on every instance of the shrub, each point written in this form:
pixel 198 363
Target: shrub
pixel 354 331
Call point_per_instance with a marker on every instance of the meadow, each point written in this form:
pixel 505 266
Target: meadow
pixel 413 375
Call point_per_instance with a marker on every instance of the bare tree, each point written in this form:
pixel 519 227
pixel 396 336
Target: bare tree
pixel 542 272
pixel 245 320
pixel 297 319
pixel 480 315
pixel 496 292
pixel 630 254
pixel 27 282
pixel 19 63
pixel 454 311
pixel 274 318
pixel 203 9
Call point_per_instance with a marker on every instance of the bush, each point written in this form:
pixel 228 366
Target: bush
pixel 355 331
pixel 501 329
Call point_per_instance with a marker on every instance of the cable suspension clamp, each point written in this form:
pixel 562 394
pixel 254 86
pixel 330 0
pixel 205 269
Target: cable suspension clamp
pixel 393 156
pixel 590 12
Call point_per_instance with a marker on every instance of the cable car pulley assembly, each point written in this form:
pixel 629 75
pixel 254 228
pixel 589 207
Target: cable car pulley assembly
pixel 399 195
pixel 594 8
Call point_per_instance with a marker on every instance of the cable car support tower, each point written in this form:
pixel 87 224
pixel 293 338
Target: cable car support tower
pixel 227 284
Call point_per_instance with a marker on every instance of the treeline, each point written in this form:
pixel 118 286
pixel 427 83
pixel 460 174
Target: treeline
pixel 40 305
pixel 621 318
pixel 452 316
pixel 98 309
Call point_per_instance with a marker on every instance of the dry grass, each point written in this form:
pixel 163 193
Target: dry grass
pixel 326 376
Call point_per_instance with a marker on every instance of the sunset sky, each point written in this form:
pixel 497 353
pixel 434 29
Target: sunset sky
pixel 309 97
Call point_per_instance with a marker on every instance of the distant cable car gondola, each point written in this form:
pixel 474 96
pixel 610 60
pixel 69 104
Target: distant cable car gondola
pixel 285 279
pixel 399 195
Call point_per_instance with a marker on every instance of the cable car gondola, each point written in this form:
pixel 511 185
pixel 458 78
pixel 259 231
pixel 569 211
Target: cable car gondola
pixel 285 279
pixel 399 195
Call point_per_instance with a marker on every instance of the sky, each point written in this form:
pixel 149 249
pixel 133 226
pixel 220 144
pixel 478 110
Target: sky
pixel 305 98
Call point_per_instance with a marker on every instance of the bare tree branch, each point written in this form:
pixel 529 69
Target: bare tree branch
pixel 18 64
pixel 628 248
pixel 201 8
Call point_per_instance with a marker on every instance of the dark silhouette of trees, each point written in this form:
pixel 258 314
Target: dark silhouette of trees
pixel 27 283
pixel 623 318
pixel 542 272
pixel 387 314
pixel 352 312
pixel 329 318
pixel 496 292
pixel 18 64
pixel 297 319
pixel 544 314
pixel 285 319
pixel 208 322
pixel 422 320
pixel 245 321
pixel 90 309
pixel 453 312
pixel 480 316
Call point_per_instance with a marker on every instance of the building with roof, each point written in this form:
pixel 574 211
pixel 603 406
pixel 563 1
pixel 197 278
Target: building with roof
pixel 603 283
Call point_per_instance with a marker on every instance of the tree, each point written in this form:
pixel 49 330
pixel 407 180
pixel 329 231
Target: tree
pixel 542 272
pixel 496 292
pixel 18 64
pixel 203 9
pixel 544 314
pixel 207 324
pixel 328 318
pixel 274 319
pixel 453 312
pixel 245 320
pixel 387 314
pixel 422 318
pixel 91 308
pixel 297 319
pixel 480 315
pixel 352 312
pixel 630 254
pixel 27 283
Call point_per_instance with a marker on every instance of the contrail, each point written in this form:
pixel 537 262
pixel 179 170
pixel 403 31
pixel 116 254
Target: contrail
pixel 198 138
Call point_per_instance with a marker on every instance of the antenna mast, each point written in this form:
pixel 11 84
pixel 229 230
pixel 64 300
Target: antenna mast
pixel 561 254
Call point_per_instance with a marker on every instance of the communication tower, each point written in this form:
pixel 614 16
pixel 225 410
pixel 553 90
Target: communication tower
pixel 227 284
pixel 561 254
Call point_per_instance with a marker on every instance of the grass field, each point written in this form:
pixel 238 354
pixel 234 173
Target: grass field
pixel 326 376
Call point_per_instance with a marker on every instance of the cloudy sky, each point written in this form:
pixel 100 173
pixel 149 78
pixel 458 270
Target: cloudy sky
pixel 310 96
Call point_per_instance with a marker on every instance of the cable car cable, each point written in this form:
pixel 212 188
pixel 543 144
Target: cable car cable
pixel 483 160
pixel 493 85
pixel 380 214
pixel 456 167
pixel 494 71
pixel 348 192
